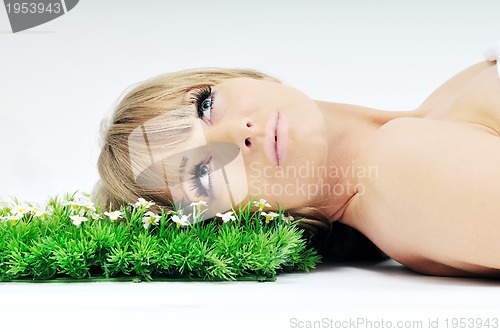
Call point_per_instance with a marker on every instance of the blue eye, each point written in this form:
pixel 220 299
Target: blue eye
pixel 206 108
pixel 203 100
pixel 201 180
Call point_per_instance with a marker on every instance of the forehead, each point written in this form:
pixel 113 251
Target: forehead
pixel 240 82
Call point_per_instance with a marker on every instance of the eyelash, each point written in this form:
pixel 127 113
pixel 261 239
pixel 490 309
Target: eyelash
pixel 200 96
pixel 195 182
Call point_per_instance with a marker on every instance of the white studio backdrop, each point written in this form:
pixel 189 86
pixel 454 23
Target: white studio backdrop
pixel 60 79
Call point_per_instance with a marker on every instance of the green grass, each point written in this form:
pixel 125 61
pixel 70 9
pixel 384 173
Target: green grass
pixel 45 243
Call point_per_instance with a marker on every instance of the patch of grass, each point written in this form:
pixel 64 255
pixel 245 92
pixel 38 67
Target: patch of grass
pixel 70 239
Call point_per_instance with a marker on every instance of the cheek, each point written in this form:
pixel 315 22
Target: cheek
pixel 248 101
pixel 236 101
pixel 268 182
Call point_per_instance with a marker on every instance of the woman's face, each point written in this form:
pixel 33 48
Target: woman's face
pixel 281 137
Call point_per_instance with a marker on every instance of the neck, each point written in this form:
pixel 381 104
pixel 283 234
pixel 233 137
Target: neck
pixel 350 128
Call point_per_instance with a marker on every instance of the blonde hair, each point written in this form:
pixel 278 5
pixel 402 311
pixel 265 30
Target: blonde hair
pixel 165 95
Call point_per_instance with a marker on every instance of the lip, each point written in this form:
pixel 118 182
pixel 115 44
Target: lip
pixel 276 141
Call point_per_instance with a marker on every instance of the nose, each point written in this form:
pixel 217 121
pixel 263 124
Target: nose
pixel 248 140
pixel 238 132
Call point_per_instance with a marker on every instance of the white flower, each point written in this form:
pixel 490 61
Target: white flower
pixel 288 219
pixel 114 215
pixel 199 203
pixel 65 202
pixel 20 209
pixel 87 206
pixel 79 202
pixel 40 212
pixel 14 218
pixel 95 216
pixel 180 221
pixel 142 203
pixel 73 204
pixel 77 220
pixel 269 216
pixel 35 208
pixel 150 218
pixel 261 204
pixel 226 216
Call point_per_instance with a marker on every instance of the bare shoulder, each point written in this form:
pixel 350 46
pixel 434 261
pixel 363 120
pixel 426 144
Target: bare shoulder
pixel 440 101
pixel 471 96
pixel 479 101
pixel 412 134
pixel 433 203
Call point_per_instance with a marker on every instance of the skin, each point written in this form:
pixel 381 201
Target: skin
pixel 431 200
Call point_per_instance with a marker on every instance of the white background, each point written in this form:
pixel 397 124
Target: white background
pixel 59 80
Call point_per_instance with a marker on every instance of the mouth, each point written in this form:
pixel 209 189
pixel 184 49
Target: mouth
pixel 276 143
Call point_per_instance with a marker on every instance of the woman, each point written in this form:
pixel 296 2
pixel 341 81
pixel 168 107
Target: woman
pixel 421 185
